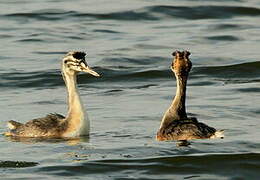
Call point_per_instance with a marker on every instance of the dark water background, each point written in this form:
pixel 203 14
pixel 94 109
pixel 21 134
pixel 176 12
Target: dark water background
pixel 130 44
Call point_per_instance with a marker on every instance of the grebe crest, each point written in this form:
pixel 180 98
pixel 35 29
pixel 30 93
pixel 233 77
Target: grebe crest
pixel 76 122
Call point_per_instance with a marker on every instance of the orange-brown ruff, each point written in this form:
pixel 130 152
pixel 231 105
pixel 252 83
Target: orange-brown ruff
pixel 76 122
pixel 175 124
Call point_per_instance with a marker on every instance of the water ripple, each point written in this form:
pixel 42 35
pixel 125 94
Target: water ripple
pixel 238 73
pixel 205 12
pixel 236 165
pixel 147 13
pixel 223 38
pixel 16 164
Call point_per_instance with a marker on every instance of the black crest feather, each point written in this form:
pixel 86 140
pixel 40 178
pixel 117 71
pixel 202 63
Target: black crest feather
pixel 183 53
pixel 79 55
pixel 175 53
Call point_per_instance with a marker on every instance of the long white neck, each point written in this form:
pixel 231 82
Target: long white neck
pixel 77 124
pixel 177 109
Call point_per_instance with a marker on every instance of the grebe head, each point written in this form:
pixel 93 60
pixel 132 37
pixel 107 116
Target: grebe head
pixel 74 62
pixel 181 64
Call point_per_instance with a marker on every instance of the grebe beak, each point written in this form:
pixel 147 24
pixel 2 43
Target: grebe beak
pixel 87 69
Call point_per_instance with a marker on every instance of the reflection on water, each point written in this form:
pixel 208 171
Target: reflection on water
pixel 29 140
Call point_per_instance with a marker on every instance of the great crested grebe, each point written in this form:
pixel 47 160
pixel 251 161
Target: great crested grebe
pixel 175 124
pixel 55 125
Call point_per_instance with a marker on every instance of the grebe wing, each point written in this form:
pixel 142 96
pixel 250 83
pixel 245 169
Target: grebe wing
pixel 37 127
pixel 187 129
pixel 14 125
pixel 56 115
pixel 199 130
pixel 49 121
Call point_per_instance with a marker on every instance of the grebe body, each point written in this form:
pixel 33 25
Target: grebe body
pixel 175 124
pixel 76 123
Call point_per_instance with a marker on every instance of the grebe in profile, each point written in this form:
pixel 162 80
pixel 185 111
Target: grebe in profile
pixel 175 124
pixel 55 125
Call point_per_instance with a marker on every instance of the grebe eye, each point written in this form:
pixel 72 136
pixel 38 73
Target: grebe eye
pixel 65 61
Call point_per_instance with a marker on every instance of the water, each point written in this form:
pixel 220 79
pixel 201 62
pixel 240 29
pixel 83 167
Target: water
pixel 130 44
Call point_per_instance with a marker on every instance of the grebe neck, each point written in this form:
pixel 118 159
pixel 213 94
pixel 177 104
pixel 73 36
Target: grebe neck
pixel 75 108
pixel 178 107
